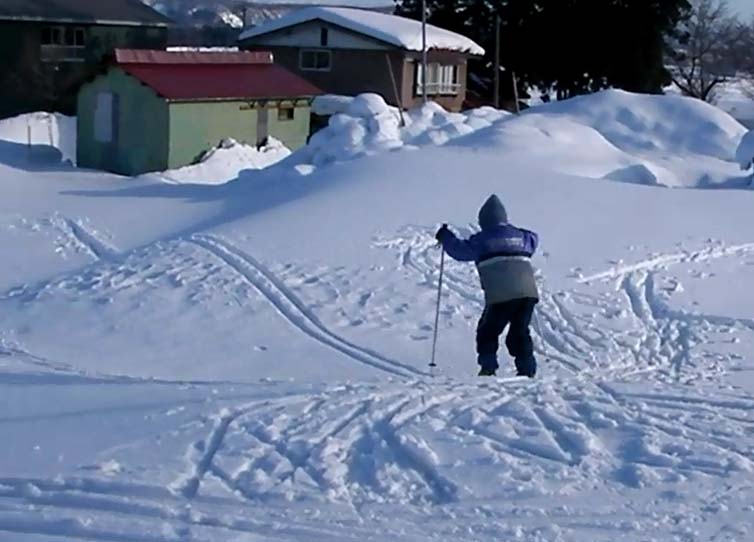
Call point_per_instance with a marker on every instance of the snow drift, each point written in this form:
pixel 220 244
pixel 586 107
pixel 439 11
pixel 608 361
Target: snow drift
pixel 366 125
pixel 665 140
pixel 45 132
pixel 226 161
pixel 745 151
pixel 613 135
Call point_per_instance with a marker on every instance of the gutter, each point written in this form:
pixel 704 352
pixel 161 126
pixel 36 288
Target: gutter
pixel 64 20
pixel 297 98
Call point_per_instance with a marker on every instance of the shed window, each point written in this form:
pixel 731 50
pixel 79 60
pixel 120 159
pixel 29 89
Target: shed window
pixel 106 114
pixel 285 113
pixel 323 37
pixel 315 60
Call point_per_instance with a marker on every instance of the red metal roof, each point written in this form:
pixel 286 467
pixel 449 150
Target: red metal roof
pixel 193 76
pixel 148 56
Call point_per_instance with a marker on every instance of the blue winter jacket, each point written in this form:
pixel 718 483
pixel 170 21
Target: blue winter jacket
pixel 502 254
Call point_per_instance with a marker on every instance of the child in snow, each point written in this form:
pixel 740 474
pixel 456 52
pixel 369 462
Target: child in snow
pixel 502 254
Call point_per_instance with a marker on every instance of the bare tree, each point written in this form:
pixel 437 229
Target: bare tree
pixel 746 61
pixel 706 49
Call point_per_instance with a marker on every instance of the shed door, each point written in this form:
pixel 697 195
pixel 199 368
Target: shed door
pixel 262 125
pixel 106 117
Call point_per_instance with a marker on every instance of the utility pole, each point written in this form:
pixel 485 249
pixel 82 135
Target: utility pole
pixel 496 97
pixel 424 51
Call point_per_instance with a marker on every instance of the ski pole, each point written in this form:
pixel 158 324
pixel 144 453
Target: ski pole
pixel 539 325
pixel 539 332
pixel 437 311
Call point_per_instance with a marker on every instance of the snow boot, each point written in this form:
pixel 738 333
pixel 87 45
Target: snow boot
pixel 488 364
pixel 526 366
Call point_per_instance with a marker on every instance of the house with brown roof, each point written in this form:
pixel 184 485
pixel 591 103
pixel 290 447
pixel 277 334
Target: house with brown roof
pixel 351 51
pixel 158 110
pixel 48 47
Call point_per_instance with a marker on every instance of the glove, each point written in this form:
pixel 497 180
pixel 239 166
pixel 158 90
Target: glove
pixel 441 232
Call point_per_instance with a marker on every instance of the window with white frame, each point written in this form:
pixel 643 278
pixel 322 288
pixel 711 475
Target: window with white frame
pixel 315 60
pixel 441 79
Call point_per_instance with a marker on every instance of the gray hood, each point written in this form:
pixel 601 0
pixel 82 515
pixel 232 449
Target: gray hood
pixel 492 213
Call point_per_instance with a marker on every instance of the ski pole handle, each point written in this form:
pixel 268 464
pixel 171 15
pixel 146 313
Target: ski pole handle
pixel 444 227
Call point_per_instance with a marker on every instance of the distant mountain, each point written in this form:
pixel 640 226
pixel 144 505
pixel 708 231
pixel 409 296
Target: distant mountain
pixel 231 13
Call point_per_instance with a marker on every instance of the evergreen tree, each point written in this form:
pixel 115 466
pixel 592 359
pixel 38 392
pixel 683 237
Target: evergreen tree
pixel 568 46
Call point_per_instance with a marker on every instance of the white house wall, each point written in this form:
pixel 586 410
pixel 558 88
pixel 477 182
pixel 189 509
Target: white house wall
pixel 308 35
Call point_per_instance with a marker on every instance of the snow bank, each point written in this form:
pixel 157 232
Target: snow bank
pixel 45 130
pixel 224 162
pixel 564 145
pixel 640 123
pixel 736 97
pixel 681 142
pixel 613 135
pixel 366 125
pixel 400 31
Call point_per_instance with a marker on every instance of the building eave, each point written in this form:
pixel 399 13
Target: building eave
pixel 318 20
pixel 249 41
pixel 244 100
pixel 101 22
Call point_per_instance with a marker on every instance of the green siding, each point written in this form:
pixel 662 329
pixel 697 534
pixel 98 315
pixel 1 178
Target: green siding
pixel 292 132
pixel 198 126
pixel 155 135
pixel 142 142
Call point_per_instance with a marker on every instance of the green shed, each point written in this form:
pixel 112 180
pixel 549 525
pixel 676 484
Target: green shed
pixel 157 110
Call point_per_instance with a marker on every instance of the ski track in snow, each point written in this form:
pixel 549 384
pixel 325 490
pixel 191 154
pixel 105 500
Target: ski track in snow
pixel 578 329
pixel 76 235
pixel 293 309
pixel 665 260
pixel 98 248
pixel 368 446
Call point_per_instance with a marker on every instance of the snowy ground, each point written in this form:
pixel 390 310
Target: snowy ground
pixel 248 362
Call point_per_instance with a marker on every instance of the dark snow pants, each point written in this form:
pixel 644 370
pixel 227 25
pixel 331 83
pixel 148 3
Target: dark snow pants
pixel 518 314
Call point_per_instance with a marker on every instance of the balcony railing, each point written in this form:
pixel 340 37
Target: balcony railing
pixel 63 53
pixel 440 88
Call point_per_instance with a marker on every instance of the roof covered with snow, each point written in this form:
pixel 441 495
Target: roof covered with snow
pixel 399 31
pixel 197 76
